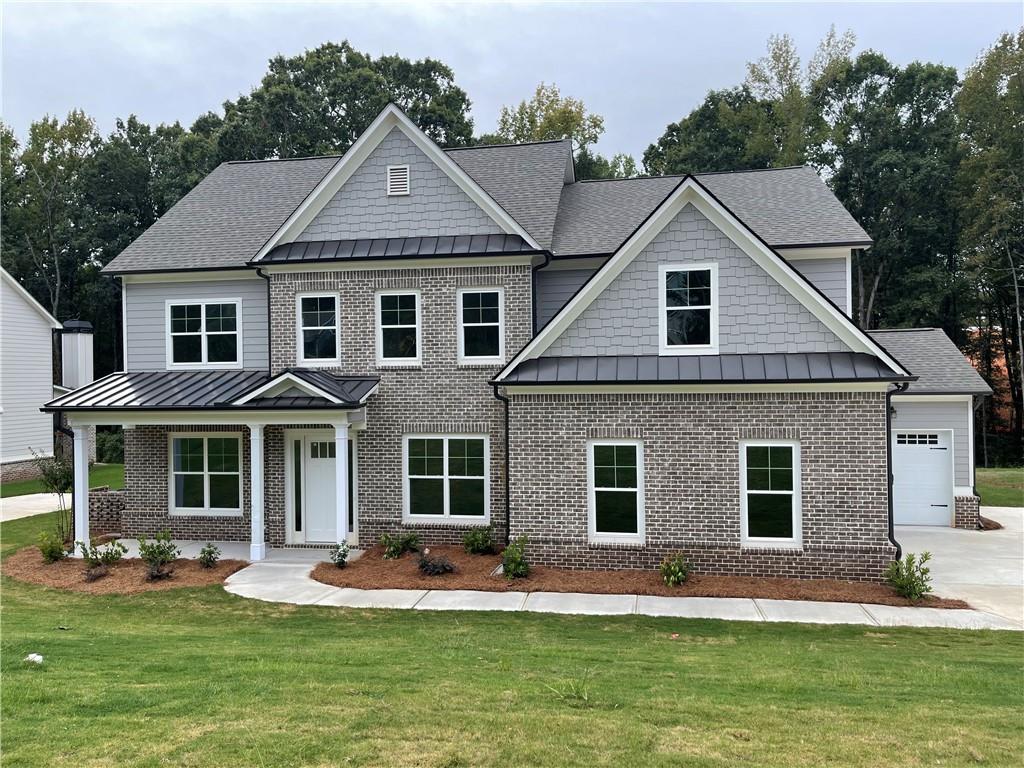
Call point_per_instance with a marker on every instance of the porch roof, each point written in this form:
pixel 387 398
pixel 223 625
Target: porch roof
pixel 214 390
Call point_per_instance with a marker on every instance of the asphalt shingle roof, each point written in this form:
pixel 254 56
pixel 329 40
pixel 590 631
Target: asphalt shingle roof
pixel 929 354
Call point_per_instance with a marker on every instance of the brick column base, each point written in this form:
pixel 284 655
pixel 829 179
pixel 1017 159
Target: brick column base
pixel 967 512
pixel 105 507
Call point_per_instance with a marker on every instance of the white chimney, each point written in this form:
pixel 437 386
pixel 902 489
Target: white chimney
pixel 76 353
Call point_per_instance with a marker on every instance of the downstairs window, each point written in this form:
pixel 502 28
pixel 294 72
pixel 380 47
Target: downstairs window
pixel 446 478
pixel 770 492
pixel 206 476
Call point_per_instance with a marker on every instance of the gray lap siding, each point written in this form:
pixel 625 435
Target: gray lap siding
pixel 692 482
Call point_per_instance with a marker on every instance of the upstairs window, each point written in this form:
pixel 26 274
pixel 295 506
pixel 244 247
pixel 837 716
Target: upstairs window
pixel 398 328
pixel 770 492
pixel 480 325
pixel 398 180
pixel 203 335
pixel 318 341
pixel 688 312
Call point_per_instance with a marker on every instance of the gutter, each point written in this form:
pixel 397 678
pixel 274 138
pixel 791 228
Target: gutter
pixel 508 504
pixel 900 387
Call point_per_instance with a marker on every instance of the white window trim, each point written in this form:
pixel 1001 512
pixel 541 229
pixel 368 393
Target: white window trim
pixel 465 359
pixel 205 511
pixel 755 541
pixel 408 181
pixel 399 362
pixel 689 349
pixel 203 365
pixel 447 518
pixel 317 362
pixel 595 537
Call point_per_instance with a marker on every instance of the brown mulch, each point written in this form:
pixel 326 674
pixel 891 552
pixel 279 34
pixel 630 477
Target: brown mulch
pixel 989 525
pixel 371 571
pixel 127 577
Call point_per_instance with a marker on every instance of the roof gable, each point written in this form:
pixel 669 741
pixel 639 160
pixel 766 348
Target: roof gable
pixel 28 299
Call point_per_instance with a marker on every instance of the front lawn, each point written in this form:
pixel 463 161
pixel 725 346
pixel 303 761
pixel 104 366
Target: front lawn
pixel 99 475
pixel 1002 487
pixel 199 677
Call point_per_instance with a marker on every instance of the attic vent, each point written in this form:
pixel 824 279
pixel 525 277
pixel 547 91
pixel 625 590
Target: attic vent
pixel 398 180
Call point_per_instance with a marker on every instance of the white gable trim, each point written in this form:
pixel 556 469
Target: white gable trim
pixel 282 382
pixel 24 294
pixel 390 117
pixel 690 192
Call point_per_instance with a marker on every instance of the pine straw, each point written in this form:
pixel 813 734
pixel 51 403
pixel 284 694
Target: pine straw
pixel 371 571
pixel 127 577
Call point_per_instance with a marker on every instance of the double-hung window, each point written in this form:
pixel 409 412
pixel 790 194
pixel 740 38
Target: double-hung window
pixel 206 475
pixel 770 492
pixel 398 328
pixel 317 318
pixel 615 471
pixel 688 309
pixel 480 325
pixel 446 478
pixel 204 334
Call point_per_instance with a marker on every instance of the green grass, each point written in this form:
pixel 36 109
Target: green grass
pixel 99 474
pixel 1001 487
pixel 199 677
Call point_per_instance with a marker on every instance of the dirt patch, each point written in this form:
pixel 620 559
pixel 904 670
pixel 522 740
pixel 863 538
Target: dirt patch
pixel 371 571
pixel 127 577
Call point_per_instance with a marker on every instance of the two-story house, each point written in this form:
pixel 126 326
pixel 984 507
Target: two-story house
pixel 409 338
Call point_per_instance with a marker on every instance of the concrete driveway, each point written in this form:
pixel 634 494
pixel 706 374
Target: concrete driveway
pixel 985 568
pixel 15 507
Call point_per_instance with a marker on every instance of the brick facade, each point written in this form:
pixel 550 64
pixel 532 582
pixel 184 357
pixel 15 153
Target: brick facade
pixel 692 486
pixel 967 512
pixel 105 508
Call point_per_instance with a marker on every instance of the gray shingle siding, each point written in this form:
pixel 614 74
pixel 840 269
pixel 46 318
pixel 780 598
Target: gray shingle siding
pixel 436 205
pixel 554 288
pixel 755 314
pixel 827 275
pixel 146 318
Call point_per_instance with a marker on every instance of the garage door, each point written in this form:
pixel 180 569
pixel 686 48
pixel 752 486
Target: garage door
pixel 922 483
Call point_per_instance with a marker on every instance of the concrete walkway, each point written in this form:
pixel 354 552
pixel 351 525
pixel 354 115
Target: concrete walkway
pixel 280 581
pixel 16 507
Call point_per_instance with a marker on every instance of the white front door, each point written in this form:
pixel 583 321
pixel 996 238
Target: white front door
pixel 922 477
pixel 320 498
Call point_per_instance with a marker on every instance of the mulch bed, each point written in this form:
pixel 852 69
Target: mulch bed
pixel 372 571
pixel 989 525
pixel 127 577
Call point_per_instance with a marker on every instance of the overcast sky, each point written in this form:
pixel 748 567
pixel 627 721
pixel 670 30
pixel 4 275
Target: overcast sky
pixel 641 66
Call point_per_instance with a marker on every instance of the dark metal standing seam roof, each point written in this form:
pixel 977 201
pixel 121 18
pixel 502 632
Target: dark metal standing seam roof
pixel 776 368
pixel 199 390
pixel 397 248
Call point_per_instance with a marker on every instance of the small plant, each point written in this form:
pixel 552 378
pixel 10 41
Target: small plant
pixel 51 546
pixel 574 691
pixel 910 577
pixel 95 572
pixel 97 555
pixel 209 555
pixel 674 569
pixel 396 546
pixel 158 554
pixel 479 541
pixel 513 560
pixel 431 565
pixel 339 555
pixel 57 475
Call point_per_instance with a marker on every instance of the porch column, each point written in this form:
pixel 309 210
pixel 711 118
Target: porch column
pixel 81 486
pixel 258 546
pixel 341 481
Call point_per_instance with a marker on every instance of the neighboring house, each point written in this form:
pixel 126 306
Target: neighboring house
pixel 27 378
pixel 408 338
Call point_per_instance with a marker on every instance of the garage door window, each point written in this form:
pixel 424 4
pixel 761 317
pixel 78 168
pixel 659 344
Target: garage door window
pixel 917 438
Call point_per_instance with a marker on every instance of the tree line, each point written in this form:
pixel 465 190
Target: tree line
pixel 930 163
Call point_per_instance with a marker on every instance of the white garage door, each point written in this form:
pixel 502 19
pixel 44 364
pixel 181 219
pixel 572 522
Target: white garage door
pixel 922 482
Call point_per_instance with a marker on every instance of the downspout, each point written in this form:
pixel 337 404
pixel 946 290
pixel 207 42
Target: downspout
pixel 508 505
pixel 900 387
pixel 261 273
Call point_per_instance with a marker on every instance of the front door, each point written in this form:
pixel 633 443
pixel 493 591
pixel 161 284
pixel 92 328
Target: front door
pixel 313 481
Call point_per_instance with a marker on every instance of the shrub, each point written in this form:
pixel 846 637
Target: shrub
pixel 95 555
pixel 479 541
pixel 513 560
pixel 51 546
pixel 57 475
pixel 339 555
pixel 910 577
pixel 209 555
pixel 396 546
pixel 96 572
pixel 110 446
pixel 434 566
pixel 158 554
pixel 674 569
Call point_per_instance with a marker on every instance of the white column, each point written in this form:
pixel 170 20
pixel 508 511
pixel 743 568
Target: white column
pixel 341 481
pixel 258 546
pixel 81 486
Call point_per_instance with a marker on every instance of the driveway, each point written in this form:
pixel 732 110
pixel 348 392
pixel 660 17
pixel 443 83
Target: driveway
pixel 985 568
pixel 15 507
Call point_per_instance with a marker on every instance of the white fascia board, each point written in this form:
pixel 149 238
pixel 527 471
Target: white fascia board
pixel 209 416
pixel 242 273
pixel 912 398
pixel 690 192
pixel 281 382
pixel 35 305
pixel 390 117
pixel 623 389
